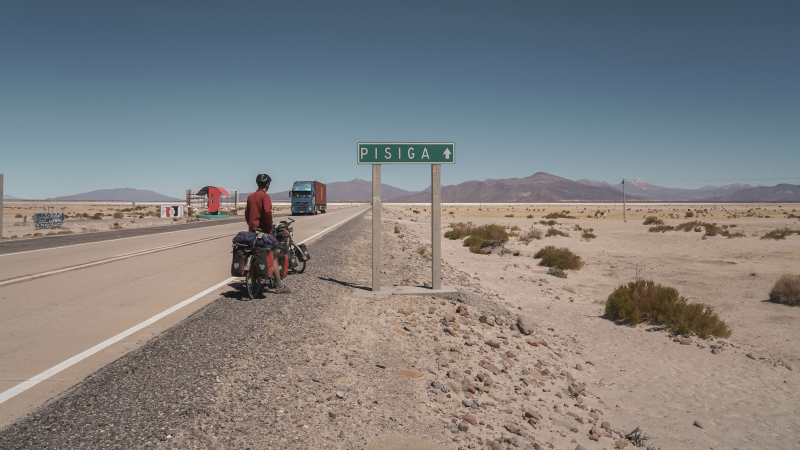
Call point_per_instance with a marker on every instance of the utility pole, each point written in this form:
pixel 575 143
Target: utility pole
pixel 715 200
pixel 624 219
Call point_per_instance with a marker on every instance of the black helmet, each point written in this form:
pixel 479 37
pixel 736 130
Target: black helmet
pixel 262 180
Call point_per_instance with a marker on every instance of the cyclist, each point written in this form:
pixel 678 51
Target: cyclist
pixel 258 214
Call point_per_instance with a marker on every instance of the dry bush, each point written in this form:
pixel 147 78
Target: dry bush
pixel 18 216
pixel 459 230
pixel 689 214
pixel 118 215
pixel 786 290
pixel 549 223
pixel 559 215
pixel 515 228
pixel 588 234
pixel 556 272
pixel 653 220
pixel 561 257
pixel 528 236
pixel 530 216
pixel 646 301
pixel 779 233
pixel 554 232
pixel 661 229
pixel 509 215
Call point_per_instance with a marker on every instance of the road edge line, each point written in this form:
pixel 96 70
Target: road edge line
pixel 25 385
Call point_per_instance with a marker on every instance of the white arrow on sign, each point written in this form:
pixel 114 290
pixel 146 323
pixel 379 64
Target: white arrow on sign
pixel 447 153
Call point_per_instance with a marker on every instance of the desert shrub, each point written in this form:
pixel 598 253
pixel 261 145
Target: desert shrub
pixel 735 234
pixel 561 257
pixel 37 234
pixel 554 232
pixel 549 223
pixel 459 230
pixel 577 227
pixel 509 215
pixel 711 228
pixel 118 215
pixel 653 220
pixel 18 216
pixel 661 229
pixel 559 215
pixel 689 214
pixel 556 272
pixel 530 216
pixel 476 244
pixel 96 216
pixel 646 301
pixel 528 236
pixel 116 226
pixel 779 233
pixel 493 233
pixel 515 228
pixel 588 234
pixel 786 290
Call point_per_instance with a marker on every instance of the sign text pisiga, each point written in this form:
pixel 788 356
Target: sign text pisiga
pixel 406 153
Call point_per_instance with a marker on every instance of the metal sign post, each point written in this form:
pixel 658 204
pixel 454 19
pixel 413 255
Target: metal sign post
pixel 434 154
pixel 376 227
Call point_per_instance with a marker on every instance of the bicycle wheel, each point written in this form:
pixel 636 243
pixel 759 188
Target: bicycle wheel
pixel 254 286
pixel 300 267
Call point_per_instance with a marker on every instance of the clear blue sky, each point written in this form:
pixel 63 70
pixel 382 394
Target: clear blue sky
pixel 170 95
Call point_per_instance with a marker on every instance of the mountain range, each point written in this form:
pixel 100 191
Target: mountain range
pixel 649 191
pixel 539 187
pixel 120 194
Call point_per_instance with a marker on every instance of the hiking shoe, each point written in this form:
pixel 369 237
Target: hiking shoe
pixel 283 290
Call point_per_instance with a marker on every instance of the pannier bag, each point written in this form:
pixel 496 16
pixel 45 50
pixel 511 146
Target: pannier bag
pixel 302 252
pixel 261 261
pixel 237 266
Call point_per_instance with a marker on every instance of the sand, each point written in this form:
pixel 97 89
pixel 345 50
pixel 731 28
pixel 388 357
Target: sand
pixel 660 385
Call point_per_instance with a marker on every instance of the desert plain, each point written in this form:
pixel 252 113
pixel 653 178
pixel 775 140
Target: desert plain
pixel 742 392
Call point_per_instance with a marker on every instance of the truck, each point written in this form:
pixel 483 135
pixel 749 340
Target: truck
pixel 309 197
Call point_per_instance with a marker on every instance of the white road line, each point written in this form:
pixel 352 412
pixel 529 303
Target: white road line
pixel 25 385
pixel 329 228
pixel 22 387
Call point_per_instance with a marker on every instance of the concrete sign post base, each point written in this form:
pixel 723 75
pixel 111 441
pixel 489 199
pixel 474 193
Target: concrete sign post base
pixel 385 291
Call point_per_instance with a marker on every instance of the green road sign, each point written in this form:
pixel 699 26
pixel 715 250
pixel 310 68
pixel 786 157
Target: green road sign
pixel 406 153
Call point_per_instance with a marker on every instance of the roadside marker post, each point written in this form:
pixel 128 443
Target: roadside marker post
pixel 1 206
pixel 434 154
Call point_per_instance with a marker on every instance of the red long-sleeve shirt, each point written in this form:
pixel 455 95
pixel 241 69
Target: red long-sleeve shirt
pixel 258 213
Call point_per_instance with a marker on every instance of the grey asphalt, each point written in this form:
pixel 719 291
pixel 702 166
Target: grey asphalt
pixel 39 243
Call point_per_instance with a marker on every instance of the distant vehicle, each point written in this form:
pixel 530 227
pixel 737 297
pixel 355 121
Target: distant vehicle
pixel 309 197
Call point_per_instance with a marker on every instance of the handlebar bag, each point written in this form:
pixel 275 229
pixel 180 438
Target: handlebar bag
pixel 302 252
pixel 237 265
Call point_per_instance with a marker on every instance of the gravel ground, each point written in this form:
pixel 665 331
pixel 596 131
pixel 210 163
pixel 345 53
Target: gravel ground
pixel 322 369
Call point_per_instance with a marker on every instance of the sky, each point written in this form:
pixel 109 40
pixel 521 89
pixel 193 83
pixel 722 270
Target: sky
pixel 177 95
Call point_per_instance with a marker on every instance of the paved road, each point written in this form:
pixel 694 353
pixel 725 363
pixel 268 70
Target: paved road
pixel 56 303
pixel 38 243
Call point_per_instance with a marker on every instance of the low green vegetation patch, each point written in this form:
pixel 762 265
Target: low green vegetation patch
pixel 556 272
pixel 554 232
pixel 561 258
pixel 588 234
pixel 779 233
pixel 647 301
pixel 559 215
pixel 786 290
